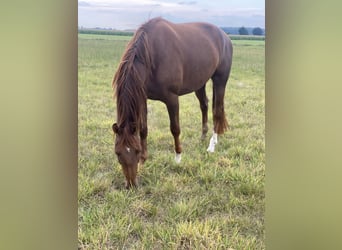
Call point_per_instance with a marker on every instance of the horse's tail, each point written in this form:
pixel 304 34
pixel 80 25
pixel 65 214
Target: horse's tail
pixel 219 116
pixel 220 79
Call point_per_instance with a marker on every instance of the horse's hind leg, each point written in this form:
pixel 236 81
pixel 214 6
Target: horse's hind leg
pixel 219 117
pixel 203 100
pixel 173 109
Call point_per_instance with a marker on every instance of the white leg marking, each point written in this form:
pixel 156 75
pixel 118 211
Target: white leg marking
pixel 178 158
pixel 212 143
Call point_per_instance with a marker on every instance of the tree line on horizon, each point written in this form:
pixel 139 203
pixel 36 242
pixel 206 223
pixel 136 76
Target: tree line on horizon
pixel 229 30
pixel 244 31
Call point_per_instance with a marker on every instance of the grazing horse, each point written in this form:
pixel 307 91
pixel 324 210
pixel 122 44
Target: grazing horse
pixel 162 61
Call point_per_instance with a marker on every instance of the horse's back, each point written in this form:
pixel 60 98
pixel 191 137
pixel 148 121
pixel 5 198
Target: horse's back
pixel 186 55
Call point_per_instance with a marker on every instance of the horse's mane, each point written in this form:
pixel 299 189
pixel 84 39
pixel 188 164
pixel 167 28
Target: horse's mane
pixel 129 85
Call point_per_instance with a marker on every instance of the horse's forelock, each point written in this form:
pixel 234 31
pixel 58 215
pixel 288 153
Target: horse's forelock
pixel 128 138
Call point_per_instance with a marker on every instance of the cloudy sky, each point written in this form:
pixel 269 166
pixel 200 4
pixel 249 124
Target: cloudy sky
pixel 129 14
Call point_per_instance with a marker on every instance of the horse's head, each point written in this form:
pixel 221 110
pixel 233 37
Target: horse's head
pixel 127 148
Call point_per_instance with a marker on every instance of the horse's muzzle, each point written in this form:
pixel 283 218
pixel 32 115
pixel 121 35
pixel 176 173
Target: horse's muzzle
pixel 130 173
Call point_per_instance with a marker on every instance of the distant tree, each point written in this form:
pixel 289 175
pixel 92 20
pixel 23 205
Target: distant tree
pixel 257 31
pixel 243 31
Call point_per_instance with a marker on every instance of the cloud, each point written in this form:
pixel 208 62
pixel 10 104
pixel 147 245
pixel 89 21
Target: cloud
pixel 187 2
pixel 84 4
pixel 129 14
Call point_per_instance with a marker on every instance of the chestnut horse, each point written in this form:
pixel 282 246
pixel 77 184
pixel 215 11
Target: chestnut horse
pixel 163 61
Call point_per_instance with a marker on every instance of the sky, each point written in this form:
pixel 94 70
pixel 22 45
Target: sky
pixel 130 14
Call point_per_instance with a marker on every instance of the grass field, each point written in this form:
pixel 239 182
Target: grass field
pixel 209 201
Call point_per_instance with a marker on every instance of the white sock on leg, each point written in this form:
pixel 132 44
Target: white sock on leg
pixel 212 143
pixel 178 158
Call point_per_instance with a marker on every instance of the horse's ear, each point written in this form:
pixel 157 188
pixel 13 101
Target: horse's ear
pixel 115 128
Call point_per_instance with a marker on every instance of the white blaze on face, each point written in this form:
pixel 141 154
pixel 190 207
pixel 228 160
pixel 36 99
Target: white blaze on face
pixel 212 143
pixel 128 149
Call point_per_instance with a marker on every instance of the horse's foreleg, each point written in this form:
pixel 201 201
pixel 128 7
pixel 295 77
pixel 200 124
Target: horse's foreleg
pixel 143 142
pixel 173 110
pixel 143 136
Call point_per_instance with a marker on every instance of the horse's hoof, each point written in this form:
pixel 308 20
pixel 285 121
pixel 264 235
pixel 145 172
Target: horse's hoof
pixel 211 149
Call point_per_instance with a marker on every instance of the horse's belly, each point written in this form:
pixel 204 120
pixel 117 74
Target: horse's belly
pixel 187 88
pixel 180 78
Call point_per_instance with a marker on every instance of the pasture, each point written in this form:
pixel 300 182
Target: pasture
pixel 208 201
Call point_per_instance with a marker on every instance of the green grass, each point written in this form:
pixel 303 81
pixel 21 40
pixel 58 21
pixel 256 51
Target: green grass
pixel 209 201
pixel 247 37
